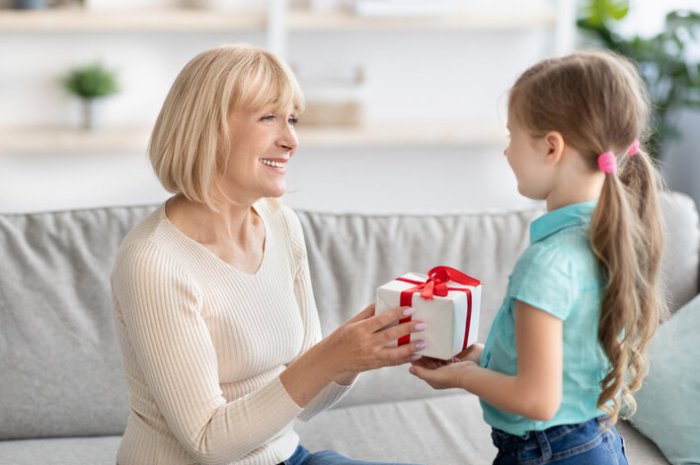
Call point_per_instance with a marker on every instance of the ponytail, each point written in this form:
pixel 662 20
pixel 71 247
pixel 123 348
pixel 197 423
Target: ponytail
pixel 626 236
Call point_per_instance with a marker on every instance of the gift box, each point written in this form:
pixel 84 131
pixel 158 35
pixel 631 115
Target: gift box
pixel 446 299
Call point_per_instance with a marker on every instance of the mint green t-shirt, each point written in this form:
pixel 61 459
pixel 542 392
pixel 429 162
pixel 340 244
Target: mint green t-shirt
pixel 558 274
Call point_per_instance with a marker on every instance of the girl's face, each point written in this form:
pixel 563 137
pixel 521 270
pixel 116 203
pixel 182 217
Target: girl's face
pixel 262 143
pixel 527 156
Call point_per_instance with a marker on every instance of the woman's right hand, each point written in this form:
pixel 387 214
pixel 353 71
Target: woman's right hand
pixel 362 343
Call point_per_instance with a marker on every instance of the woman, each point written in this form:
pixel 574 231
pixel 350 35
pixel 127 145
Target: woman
pixel 212 296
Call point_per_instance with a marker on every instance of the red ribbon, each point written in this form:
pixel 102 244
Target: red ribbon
pixel 436 284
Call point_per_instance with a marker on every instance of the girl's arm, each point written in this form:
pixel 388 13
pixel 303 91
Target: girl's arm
pixel 535 390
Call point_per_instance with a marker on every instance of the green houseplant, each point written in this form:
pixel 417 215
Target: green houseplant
pixel 673 79
pixel 90 83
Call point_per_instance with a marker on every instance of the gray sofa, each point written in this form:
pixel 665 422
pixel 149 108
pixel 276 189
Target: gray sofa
pixel 62 397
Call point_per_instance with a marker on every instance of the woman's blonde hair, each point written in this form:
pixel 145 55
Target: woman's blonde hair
pixel 188 146
pixel 598 102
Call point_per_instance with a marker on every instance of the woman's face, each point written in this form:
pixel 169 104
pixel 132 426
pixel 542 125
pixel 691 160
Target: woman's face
pixel 262 143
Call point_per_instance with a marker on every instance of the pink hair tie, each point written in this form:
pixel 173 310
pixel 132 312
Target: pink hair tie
pixel 634 148
pixel 607 162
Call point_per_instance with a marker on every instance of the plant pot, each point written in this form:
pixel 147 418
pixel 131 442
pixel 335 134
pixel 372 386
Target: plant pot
pixel 91 113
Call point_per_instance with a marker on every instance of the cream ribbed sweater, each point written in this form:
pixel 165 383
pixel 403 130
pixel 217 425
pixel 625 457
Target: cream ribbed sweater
pixel 204 343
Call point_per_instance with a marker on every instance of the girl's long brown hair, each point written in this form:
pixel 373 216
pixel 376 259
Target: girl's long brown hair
pixel 598 102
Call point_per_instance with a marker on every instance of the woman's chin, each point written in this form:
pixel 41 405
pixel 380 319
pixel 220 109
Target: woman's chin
pixel 277 191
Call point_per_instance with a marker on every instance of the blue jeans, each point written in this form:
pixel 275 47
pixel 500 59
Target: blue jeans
pixel 302 456
pixel 580 444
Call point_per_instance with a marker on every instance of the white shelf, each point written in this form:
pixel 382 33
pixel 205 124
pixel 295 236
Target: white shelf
pixel 378 135
pixel 56 139
pixel 161 20
pixel 193 20
pixel 481 18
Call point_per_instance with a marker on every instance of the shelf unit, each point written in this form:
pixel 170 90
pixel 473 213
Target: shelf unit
pixel 163 20
pixel 196 20
pixel 277 21
pixel 465 19
pixel 28 140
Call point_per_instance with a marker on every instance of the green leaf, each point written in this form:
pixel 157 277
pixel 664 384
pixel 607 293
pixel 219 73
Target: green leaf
pixel 599 12
pixel 671 74
pixel 91 81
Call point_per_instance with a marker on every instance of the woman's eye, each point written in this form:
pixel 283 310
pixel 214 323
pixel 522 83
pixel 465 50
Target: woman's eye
pixel 293 120
pixel 268 118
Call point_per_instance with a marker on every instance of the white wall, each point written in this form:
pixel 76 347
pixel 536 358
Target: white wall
pixel 434 75
pixel 423 75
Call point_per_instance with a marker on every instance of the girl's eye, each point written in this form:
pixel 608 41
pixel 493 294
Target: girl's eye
pixel 293 120
pixel 268 118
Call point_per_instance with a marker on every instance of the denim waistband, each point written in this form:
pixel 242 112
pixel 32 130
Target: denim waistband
pixel 541 440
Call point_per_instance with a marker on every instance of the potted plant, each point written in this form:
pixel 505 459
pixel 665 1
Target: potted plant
pixel 91 83
pixel 672 77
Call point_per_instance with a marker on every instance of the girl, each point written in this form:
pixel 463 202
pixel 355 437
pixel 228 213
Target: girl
pixel 565 350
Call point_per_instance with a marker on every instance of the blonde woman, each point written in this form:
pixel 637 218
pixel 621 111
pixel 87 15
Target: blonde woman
pixel 566 348
pixel 214 308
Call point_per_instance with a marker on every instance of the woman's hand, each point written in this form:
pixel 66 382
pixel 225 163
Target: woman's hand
pixel 362 343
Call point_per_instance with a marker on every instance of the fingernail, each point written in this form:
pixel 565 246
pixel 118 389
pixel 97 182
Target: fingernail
pixel 421 326
pixel 415 357
pixel 421 345
pixel 409 311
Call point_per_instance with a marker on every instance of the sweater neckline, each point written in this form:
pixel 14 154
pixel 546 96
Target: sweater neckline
pixel 163 219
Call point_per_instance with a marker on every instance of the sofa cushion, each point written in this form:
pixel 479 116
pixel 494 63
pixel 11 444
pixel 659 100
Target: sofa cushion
pixel 100 450
pixel 668 404
pixel 448 430
pixel 442 431
pixel 681 249
pixel 60 361
pixel 639 448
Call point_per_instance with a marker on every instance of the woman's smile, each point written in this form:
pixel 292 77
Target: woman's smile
pixel 279 165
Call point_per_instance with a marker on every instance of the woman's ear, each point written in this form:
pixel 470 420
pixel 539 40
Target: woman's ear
pixel 555 145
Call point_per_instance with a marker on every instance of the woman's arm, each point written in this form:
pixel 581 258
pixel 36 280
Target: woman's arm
pixel 535 391
pixel 322 373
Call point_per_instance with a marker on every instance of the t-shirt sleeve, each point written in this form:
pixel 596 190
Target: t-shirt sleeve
pixel 543 277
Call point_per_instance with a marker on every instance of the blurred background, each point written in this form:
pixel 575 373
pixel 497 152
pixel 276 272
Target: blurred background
pixel 406 98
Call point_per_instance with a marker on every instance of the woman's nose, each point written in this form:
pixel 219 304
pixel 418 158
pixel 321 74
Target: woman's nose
pixel 288 139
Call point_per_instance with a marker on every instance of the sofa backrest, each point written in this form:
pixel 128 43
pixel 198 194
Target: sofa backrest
pixel 60 363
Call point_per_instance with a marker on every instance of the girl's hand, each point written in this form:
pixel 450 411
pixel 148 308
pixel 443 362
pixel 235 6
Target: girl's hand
pixel 446 376
pixel 360 344
pixel 436 373
pixel 471 353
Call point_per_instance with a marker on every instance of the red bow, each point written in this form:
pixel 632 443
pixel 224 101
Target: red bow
pixel 436 284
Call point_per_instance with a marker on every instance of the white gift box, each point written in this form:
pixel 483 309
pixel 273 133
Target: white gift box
pixel 449 318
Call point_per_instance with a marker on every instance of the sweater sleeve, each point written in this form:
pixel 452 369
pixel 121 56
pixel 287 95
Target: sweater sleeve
pixel 309 314
pixel 160 309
